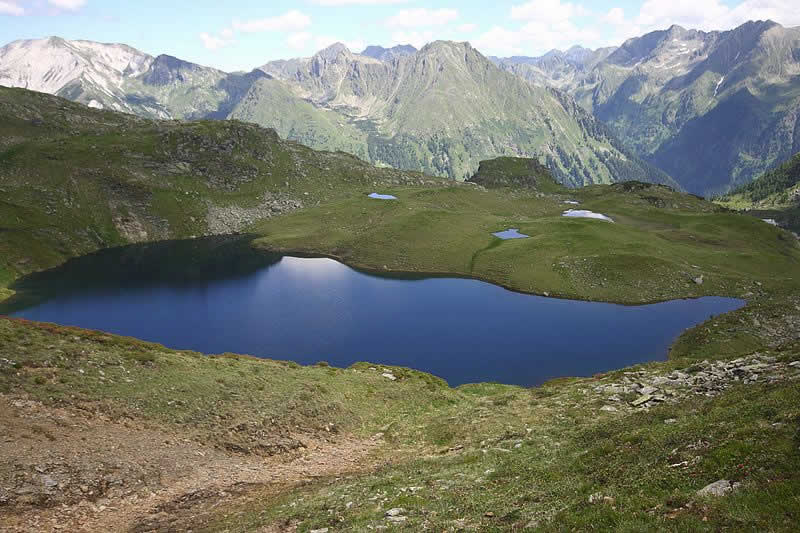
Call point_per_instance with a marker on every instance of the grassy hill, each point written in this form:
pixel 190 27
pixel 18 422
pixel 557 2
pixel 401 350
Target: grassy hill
pixel 77 179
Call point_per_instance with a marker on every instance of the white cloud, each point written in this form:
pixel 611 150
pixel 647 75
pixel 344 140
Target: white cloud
pixel 416 39
pixel 298 40
pixel 785 12
pixel 324 41
pixel 307 41
pixel 547 24
pixel 696 14
pixel 466 28
pixel 10 8
pixel 290 21
pixel 358 2
pixel 421 17
pixel 547 10
pixel 615 17
pixel 69 5
pixel 356 45
pixel 501 41
pixel 213 42
pixel 713 14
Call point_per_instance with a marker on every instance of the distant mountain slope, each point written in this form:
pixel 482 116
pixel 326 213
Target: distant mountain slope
pixel 712 109
pixel 778 187
pixel 446 107
pixel 118 77
pixel 387 54
pixel 562 70
pixel 439 110
pixel 774 196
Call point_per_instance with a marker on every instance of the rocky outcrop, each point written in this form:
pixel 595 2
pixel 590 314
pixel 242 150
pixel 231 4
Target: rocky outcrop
pixel 232 218
pixel 643 389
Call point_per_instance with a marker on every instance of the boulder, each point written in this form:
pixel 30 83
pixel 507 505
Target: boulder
pixel 718 488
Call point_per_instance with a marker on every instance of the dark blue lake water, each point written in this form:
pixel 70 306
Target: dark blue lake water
pixel 220 297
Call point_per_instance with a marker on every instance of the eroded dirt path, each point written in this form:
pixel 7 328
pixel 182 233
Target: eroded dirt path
pixel 72 470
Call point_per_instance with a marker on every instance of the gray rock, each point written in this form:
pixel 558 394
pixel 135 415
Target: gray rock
pixel 641 400
pixel 718 488
pixel 609 409
pixel 597 497
pixel 396 511
pixel 321 530
pixel 397 519
pixel 647 390
pixel 389 376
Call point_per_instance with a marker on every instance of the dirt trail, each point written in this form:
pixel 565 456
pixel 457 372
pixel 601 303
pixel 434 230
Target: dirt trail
pixel 71 470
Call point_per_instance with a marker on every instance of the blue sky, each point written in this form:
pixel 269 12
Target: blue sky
pixel 240 35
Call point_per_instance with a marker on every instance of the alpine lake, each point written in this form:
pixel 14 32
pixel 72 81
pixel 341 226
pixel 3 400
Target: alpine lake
pixel 218 294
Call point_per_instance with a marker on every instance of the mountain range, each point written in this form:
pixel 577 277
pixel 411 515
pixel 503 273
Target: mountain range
pixel 440 109
pixel 712 109
pixel 700 111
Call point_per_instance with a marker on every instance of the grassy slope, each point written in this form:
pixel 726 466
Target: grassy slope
pixel 487 457
pixel 651 253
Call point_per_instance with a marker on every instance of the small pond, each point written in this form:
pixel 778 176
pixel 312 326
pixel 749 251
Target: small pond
pixel 377 196
pixel 510 233
pixel 218 295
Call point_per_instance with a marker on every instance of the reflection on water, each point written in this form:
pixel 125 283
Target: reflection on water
pixel 217 295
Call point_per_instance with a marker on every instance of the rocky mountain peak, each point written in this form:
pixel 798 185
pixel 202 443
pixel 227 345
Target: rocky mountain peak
pixel 55 40
pixel 333 52
pixel 167 69
pixel 577 54
pixel 445 46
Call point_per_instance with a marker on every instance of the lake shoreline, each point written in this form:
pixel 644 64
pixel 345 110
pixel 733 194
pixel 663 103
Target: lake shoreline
pixel 371 269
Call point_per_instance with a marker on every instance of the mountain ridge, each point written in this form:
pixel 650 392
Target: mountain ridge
pixel 432 109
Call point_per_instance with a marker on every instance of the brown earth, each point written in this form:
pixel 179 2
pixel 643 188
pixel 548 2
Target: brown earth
pixel 69 469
